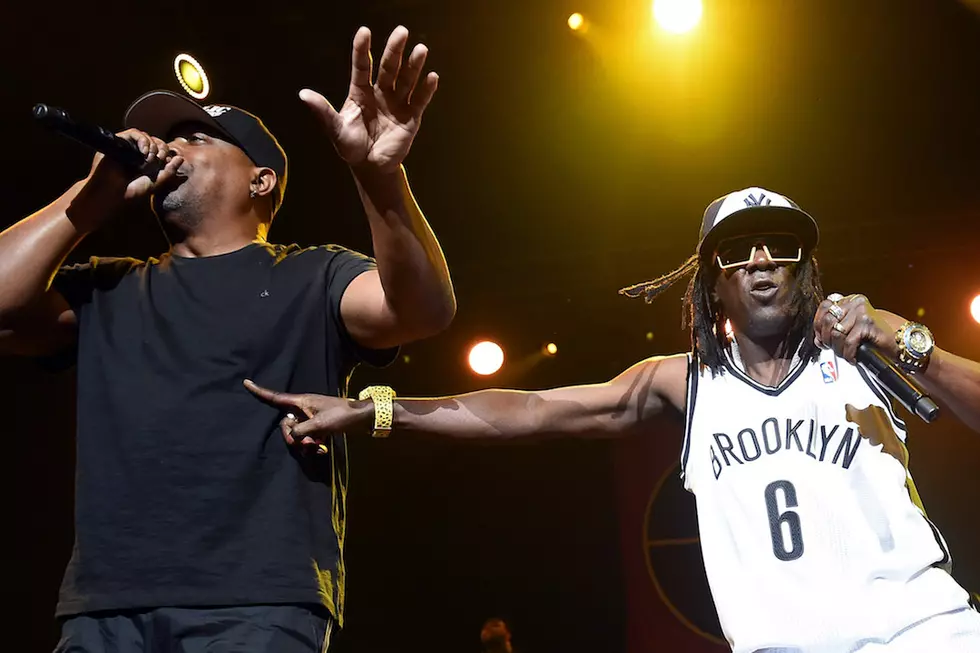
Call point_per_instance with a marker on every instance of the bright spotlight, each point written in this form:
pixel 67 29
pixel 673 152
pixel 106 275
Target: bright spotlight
pixel 677 16
pixel 551 349
pixel 975 308
pixel 191 76
pixel 576 21
pixel 486 357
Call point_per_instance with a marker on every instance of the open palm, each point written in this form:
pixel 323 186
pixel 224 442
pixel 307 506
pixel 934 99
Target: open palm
pixel 378 122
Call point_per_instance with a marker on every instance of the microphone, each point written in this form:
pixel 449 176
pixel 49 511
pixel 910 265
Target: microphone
pixel 117 149
pixel 897 383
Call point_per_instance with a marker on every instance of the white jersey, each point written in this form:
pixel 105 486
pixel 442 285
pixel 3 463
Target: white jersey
pixel 811 531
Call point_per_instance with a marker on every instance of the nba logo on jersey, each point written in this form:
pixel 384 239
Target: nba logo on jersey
pixel 829 371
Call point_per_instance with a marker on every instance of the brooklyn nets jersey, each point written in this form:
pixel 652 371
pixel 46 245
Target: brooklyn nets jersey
pixel 812 533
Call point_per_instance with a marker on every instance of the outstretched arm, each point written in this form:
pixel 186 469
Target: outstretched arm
pixel 621 407
pixel 410 296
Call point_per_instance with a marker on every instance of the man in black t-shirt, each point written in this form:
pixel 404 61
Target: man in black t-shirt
pixel 197 528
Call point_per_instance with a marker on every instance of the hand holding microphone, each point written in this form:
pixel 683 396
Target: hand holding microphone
pixel 860 334
pixel 126 166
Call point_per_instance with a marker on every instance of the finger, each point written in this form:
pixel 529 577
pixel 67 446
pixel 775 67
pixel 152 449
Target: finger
pixel 360 74
pixel 823 324
pixel 162 150
pixel 391 60
pixel 310 428
pixel 842 331
pixel 863 331
pixel 140 140
pixel 169 171
pixel 423 95
pixel 286 425
pixel 324 111
pixel 409 75
pixel 273 397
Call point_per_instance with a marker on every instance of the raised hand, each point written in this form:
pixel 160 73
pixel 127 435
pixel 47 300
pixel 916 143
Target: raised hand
pixel 378 121
pixel 314 417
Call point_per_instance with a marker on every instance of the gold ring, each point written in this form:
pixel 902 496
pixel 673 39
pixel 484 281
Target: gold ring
pixel 836 311
pixel 839 328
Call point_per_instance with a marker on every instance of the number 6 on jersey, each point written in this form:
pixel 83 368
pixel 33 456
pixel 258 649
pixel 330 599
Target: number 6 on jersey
pixel 787 517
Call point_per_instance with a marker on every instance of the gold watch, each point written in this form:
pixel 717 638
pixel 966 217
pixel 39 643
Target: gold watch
pixel 915 345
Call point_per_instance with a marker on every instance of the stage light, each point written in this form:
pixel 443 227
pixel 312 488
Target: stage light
pixel 649 335
pixel 576 21
pixel 191 76
pixel 486 357
pixel 975 308
pixel 551 349
pixel 677 16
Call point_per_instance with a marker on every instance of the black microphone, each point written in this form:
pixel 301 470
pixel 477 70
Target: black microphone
pixel 120 150
pixel 897 383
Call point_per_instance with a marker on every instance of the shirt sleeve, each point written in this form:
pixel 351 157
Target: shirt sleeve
pixel 343 267
pixel 78 283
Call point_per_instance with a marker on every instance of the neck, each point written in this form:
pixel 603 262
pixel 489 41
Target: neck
pixel 767 360
pixel 216 237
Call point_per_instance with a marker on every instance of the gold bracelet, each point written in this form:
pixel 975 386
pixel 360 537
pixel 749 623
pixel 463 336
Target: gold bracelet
pixel 384 412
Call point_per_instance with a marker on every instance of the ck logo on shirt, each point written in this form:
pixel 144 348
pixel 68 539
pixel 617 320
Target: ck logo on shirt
pixel 829 371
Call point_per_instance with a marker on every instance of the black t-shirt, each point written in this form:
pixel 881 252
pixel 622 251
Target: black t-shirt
pixel 185 492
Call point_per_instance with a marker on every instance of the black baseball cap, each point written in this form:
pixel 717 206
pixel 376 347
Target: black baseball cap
pixel 158 112
pixel 752 211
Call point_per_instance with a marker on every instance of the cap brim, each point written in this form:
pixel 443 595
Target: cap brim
pixel 158 112
pixel 762 219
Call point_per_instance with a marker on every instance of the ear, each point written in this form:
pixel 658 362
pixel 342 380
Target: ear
pixel 264 181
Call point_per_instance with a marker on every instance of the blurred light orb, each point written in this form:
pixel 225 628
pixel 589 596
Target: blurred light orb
pixel 677 16
pixel 191 76
pixel 486 357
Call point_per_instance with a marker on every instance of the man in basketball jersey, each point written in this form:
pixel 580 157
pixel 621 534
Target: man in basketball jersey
pixel 812 534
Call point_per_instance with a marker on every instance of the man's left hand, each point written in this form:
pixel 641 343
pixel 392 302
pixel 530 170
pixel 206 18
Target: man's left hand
pixel 843 325
pixel 377 123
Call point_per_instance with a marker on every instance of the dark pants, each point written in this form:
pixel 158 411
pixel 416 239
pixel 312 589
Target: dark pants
pixel 247 629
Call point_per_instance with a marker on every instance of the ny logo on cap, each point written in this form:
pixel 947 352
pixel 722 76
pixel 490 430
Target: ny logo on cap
pixel 214 111
pixel 762 201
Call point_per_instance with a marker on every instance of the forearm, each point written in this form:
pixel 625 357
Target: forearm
pixel 32 249
pixel 596 411
pixel 954 381
pixel 412 267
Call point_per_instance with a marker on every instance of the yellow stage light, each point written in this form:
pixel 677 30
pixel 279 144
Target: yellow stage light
pixel 677 16
pixel 551 349
pixel 191 76
pixel 486 357
pixel 975 308
pixel 576 21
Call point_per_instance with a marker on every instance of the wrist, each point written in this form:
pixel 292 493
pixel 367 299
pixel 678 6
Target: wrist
pixel 90 204
pixel 364 414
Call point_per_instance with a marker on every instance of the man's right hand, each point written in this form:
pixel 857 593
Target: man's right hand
pixel 109 185
pixel 314 417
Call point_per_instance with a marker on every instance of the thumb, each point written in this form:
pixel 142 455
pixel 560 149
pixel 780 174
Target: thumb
pixel 138 187
pixel 324 111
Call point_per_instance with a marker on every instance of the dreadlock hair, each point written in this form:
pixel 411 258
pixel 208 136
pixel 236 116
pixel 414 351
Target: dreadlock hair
pixel 707 321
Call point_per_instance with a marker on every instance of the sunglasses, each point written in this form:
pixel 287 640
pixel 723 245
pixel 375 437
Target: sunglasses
pixel 740 251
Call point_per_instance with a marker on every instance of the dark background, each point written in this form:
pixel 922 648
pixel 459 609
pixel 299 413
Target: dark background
pixel 555 169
